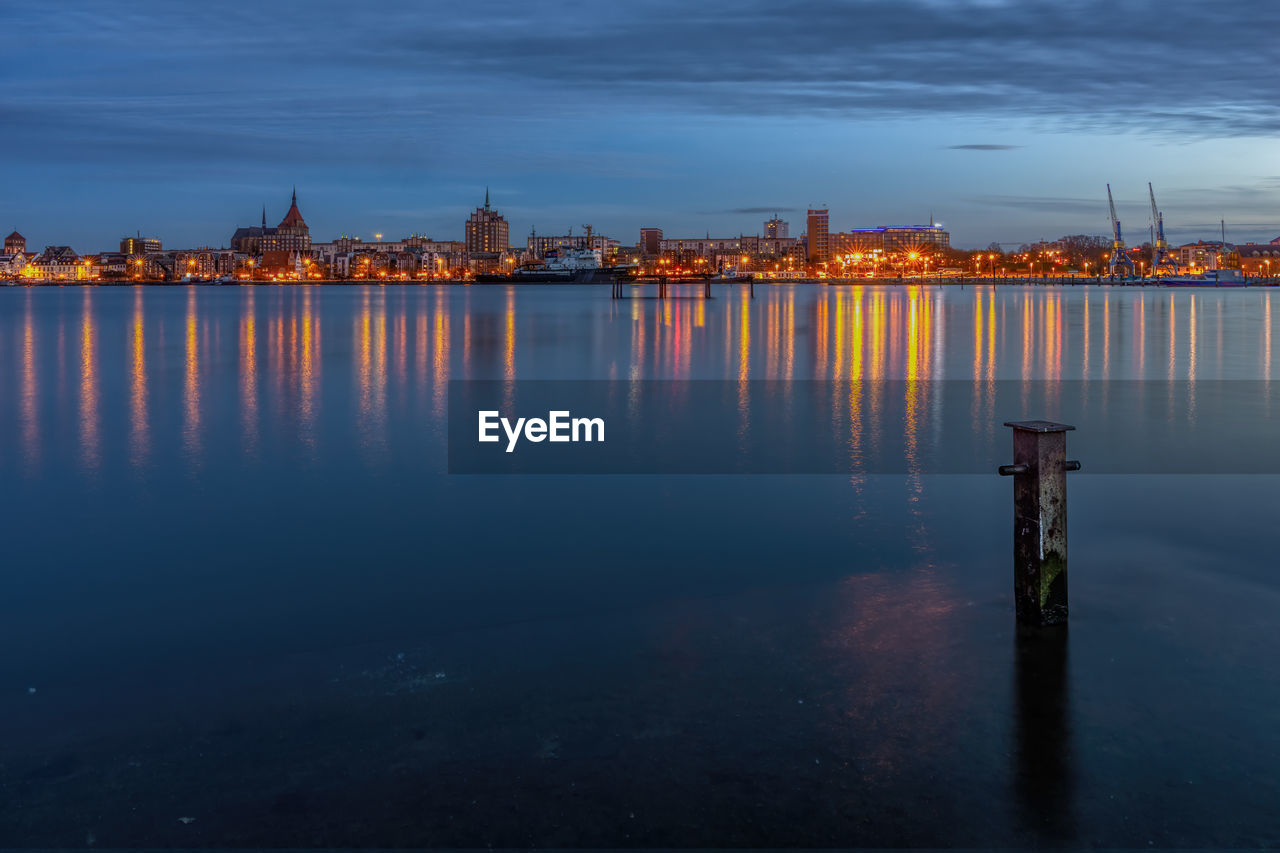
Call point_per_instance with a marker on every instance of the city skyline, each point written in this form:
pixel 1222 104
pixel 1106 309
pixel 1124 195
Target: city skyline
pixel 1005 121
pixel 799 221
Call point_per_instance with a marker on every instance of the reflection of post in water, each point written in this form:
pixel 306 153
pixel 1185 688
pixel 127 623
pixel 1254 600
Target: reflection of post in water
pixel 1042 774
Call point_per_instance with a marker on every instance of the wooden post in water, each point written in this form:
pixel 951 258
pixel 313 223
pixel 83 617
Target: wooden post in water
pixel 1039 472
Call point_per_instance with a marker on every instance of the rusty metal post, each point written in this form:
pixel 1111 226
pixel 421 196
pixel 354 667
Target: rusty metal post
pixel 1039 472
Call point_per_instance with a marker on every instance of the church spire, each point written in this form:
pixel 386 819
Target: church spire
pixel 486 198
pixel 264 216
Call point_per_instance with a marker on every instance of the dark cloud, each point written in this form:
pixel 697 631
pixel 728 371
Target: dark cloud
pixel 892 58
pixel 856 58
pixel 386 97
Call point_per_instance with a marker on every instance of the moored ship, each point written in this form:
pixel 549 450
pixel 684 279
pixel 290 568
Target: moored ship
pixel 563 266
pixel 1208 278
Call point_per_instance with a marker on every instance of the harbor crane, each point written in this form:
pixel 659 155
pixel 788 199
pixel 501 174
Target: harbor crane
pixel 1121 264
pixel 1162 262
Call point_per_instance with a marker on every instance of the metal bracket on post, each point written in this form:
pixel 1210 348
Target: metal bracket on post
pixel 1040 520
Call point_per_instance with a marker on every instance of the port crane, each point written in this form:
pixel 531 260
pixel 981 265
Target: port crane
pixel 1162 262
pixel 1121 264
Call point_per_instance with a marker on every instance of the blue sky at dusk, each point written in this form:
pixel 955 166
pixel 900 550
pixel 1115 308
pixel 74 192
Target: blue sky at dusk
pixel 1003 120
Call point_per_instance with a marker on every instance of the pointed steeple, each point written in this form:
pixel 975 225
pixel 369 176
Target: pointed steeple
pixel 264 216
pixel 486 198
pixel 293 219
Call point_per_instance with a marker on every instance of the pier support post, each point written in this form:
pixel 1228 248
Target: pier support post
pixel 752 285
pixel 1039 472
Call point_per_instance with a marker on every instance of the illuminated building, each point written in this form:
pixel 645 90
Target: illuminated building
pixel 1259 258
pixel 139 245
pixel 11 264
pixel 58 262
pixel 818 242
pixel 486 231
pixel 15 244
pixel 888 238
pixel 291 235
pixel 776 227
pixel 650 241
pixel 1200 255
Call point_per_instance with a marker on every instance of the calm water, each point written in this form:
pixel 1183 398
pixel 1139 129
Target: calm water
pixel 245 590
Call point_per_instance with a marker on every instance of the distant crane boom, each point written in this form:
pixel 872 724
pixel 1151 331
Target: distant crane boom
pixel 1115 221
pixel 1121 264
pixel 1161 258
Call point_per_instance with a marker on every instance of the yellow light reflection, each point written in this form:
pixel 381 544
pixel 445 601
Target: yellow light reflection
pixel 30 401
pixel 88 385
pixel 139 437
pixel 191 382
pixel 440 355
pixel 309 343
pixel 249 371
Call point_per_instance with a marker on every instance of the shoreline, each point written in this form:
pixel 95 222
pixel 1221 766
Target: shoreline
pixel 1010 281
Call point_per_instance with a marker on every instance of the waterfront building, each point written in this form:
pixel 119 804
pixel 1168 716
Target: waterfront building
pixel 139 245
pixel 291 235
pixel 650 241
pixel 776 227
pixel 15 243
pixel 1200 255
pixel 113 265
pixel 58 263
pixel 718 253
pixel 11 264
pixel 249 240
pixel 486 231
pixel 1261 259
pixel 418 257
pixel 889 239
pixel 203 262
pixel 817 235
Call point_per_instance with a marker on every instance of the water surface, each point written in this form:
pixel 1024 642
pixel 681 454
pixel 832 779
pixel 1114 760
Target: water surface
pixel 246 591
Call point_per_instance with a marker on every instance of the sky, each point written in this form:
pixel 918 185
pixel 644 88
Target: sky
pixel 1004 121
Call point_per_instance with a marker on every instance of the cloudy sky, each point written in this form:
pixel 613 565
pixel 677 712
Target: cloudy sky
pixel 1003 120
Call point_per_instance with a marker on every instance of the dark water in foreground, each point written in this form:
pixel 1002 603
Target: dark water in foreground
pixel 246 592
